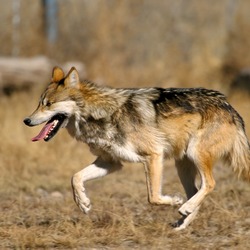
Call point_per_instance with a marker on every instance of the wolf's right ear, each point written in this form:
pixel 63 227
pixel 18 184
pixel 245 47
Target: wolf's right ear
pixel 72 78
pixel 57 74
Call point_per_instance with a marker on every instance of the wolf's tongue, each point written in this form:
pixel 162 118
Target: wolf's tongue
pixel 45 130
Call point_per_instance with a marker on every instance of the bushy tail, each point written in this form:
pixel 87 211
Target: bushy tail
pixel 240 155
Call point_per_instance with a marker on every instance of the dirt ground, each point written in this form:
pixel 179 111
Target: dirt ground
pixel 37 209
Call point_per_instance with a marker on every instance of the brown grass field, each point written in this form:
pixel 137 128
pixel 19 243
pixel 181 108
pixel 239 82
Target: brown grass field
pixel 37 209
pixel 183 43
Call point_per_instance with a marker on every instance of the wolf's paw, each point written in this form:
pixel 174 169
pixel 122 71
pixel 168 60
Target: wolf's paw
pixel 187 209
pixel 179 224
pixel 82 201
pixel 177 200
pixel 185 220
pixel 167 200
pixel 84 206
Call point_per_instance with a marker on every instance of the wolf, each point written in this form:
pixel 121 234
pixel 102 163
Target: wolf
pixel 196 127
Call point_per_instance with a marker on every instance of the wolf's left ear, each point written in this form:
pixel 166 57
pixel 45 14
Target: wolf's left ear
pixel 72 78
pixel 57 74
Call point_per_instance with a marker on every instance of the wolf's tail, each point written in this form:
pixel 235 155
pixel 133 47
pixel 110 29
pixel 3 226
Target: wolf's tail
pixel 240 155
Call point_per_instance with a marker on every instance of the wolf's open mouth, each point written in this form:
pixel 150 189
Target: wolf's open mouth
pixel 50 128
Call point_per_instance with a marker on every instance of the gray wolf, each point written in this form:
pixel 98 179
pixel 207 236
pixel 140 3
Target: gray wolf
pixel 195 126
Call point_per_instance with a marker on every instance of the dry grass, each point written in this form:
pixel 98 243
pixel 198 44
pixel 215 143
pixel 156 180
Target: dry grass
pixel 37 209
pixel 128 43
pixel 137 42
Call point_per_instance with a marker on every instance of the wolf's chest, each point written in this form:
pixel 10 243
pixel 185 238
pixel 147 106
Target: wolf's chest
pixel 105 137
pixel 126 152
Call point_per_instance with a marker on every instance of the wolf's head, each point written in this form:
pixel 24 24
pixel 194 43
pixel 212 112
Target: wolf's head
pixel 57 104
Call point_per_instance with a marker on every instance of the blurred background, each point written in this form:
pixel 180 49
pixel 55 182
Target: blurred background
pixel 131 43
pixel 136 43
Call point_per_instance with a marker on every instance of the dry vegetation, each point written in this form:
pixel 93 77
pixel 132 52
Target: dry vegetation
pixel 37 209
pixel 139 42
pixel 123 43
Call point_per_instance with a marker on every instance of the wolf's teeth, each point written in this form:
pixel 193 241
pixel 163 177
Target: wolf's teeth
pixel 53 126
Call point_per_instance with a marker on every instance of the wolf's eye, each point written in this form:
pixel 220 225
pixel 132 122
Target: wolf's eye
pixel 48 104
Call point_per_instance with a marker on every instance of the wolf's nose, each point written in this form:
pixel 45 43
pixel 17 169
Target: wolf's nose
pixel 27 121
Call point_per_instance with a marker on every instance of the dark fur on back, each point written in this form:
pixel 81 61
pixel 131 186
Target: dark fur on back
pixel 191 100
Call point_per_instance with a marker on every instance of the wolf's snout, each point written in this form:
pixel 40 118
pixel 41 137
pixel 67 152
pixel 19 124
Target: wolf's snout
pixel 27 121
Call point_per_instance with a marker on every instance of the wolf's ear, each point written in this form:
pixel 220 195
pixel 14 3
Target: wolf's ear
pixel 57 74
pixel 72 78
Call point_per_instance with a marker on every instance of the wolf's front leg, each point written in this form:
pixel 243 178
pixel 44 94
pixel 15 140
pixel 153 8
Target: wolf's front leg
pixel 97 169
pixel 153 170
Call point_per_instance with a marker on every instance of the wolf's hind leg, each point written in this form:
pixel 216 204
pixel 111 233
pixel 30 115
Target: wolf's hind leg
pixel 153 170
pixel 97 169
pixel 204 167
pixel 187 172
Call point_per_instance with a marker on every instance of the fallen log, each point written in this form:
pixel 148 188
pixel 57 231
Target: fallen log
pixel 18 74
